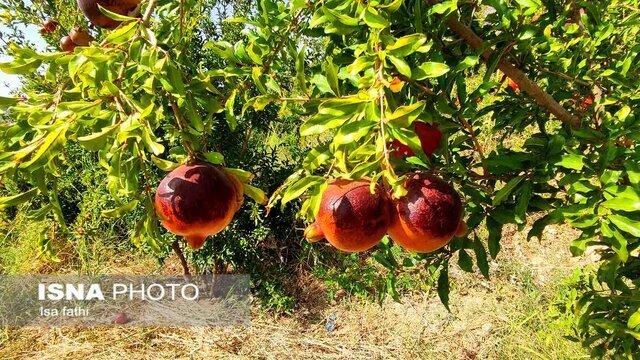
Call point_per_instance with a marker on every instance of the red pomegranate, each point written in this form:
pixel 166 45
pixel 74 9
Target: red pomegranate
pixel 399 150
pixel 97 18
pixel 429 135
pixel 198 200
pixel 49 26
pixel 351 218
pixel 80 36
pixel 66 44
pixel 428 216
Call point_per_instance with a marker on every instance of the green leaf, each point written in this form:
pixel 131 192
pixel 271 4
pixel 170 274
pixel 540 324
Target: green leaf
pixel 19 68
pixel 352 132
pixel 406 45
pixel 163 164
pixel 495 234
pixel 7 101
pixel 401 65
pixel 571 161
pixel 481 257
pixel 256 194
pixel 122 34
pixel 468 62
pixel 322 122
pixel 374 20
pixel 52 139
pixel 14 200
pixel 228 110
pixel 634 320
pixel 533 4
pixel 114 15
pixel 464 261
pixel 622 204
pixel 214 157
pixel 300 73
pixel 97 141
pixel 322 83
pixel 506 190
pixel 299 187
pixel 331 72
pixel 625 224
pixel 118 212
pixel 430 70
pixel 443 285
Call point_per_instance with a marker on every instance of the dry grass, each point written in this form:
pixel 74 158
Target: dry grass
pixel 504 318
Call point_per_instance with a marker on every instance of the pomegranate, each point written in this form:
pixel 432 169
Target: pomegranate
pixel 351 218
pixel 400 150
pixel 428 216
pixel 198 200
pixel 97 18
pixel 429 135
pixel 49 26
pixel 80 36
pixel 66 44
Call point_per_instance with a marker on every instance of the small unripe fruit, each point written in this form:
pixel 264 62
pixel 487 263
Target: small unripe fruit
pixel 514 85
pixel 92 11
pixel 198 200
pixel 121 318
pixel 49 26
pixel 430 136
pixel 66 44
pixel 80 36
pixel 351 218
pixel 428 216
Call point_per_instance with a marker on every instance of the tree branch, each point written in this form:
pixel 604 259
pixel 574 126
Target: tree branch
pixel 183 261
pixel 527 85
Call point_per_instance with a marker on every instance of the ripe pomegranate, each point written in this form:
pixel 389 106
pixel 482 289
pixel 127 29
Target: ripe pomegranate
pixel 97 18
pixel 351 218
pixel 66 44
pixel 428 216
pixel 49 26
pixel 429 135
pixel 80 36
pixel 400 150
pixel 198 200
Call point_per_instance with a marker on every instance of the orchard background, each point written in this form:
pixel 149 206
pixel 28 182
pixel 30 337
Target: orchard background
pixel 537 102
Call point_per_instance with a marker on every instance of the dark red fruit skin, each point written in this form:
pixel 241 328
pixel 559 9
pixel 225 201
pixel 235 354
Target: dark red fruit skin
pixel 66 44
pixel 80 36
pixel 97 18
pixel 429 135
pixel 196 201
pixel 350 217
pixel 400 150
pixel 428 216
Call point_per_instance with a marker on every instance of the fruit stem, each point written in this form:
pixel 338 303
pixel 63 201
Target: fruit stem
pixel 183 260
